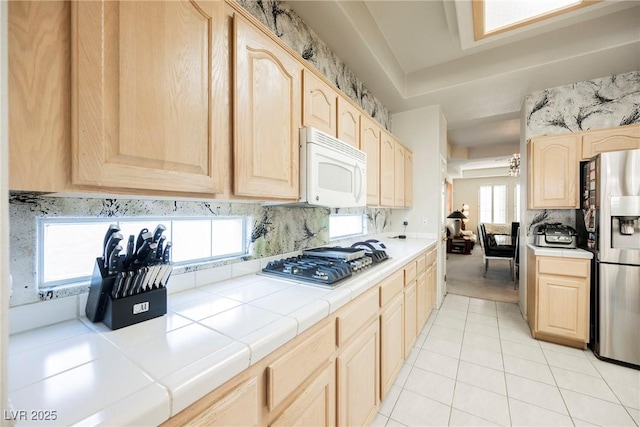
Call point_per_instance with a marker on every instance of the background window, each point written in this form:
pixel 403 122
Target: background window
pixel 67 247
pixel 346 225
pixel 492 204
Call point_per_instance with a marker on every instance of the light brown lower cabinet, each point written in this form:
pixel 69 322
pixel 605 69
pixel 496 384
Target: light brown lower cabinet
pixel 238 408
pixel 358 372
pixel 410 317
pixel 391 343
pixel 315 405
pixel 335 373
pixel 558 299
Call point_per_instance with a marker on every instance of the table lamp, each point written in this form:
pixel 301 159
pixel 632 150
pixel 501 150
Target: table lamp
pixel 457 216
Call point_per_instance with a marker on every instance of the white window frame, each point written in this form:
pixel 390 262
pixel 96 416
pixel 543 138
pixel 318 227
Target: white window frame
pixel 42 222
pixel 493 203
pixel 360 228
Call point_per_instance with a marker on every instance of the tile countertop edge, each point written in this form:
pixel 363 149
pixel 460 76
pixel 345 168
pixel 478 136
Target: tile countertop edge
pixel 560 252
pixel 165 397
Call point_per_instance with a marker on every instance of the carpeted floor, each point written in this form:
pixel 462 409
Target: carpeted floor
pixel 464 277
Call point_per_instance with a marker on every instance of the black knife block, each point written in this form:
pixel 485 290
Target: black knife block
pixel 121 312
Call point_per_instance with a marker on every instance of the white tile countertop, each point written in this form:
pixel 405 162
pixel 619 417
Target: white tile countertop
pixel 85 374
pixel 560 252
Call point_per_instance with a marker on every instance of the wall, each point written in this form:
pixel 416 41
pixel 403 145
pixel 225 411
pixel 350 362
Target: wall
pixel 594 104
pixel 465 190
pixel 424 131
pixel 275 230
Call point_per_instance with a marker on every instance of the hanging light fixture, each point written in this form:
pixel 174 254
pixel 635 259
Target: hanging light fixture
pixel 514 165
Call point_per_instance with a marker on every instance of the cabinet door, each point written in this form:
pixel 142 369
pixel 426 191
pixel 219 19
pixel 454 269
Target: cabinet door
pixel 553 172
pixel 422 300
pixel 315 405
pixel 410 317
pixel 563 306
pixel 398 175
pixel 615 139
pixel 348 123
pixel 358 379
pixel 238 408
pixel 387 174
pixel 150 89
pixel 319 103
pixel 370 144
pixel 408 179
pixel 267 116
pixel 391 343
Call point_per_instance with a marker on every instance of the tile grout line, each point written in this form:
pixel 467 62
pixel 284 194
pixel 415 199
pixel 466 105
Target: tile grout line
pixel 455 382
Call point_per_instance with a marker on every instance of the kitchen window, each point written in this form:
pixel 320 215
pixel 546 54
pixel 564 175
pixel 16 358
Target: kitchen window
pixel 346 225
pixel 68 247
pixel 492 204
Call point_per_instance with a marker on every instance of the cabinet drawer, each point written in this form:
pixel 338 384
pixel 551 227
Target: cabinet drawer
pixel 391 286
pixel 421 263
pixel 432 255
pixel 237 408
pixel 292 369
pixel 564 266
pixel 410 272
pixel 361 312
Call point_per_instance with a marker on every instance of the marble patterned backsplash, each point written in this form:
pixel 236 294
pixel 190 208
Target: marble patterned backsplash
pixel 287 25
pixel 594 104
pixel 274 230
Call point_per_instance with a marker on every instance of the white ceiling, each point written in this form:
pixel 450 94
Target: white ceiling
pixel 412 54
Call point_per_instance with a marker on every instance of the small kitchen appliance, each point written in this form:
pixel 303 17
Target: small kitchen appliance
pixel 327 266
pixel 554 235
pixel 332 172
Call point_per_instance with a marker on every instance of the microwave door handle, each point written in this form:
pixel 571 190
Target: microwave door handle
pixel 359 181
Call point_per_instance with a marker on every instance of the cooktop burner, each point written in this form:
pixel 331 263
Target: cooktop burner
pixel 311 269
pixel 329 265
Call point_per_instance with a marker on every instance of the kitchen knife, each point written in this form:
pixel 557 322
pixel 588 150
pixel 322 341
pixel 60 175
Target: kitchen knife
pixel 160 250
pixel 117 284
pixel 127 284
pixel 143 252
pixel 141 238
pixel 137 282
pixel 113 241
pixel 148 275
pixel 158 232
pixel 166 255
pixel 130 250
pixel 165 276
pixel 113 228
pixel 156 272
pixel 114 264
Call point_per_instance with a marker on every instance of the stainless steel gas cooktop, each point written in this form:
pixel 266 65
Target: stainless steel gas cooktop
pixel 329 265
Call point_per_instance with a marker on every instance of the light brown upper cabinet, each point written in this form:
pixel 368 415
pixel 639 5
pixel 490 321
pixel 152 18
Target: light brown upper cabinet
pixel 614 139
pixel 267 116
pixel 553 171
pixel 399 157
pixel 408 178
pixel 348 123
pixel 319 104
pixel 39 99
pixel 387 173
pixel 149 87
pixel 370 144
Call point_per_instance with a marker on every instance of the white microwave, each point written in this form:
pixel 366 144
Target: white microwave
pixel 332 172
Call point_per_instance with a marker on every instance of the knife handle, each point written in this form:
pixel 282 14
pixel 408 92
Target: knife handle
pixel 141 238
pixel 113 241
pixel 114 260
pixel 158 232
pixel 131 245
pixel 166 255
pixel 160 249
pixel 117 284
pixel 113 228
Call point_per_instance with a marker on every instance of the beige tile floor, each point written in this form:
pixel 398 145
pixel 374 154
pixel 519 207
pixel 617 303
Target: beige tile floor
pixel 475 364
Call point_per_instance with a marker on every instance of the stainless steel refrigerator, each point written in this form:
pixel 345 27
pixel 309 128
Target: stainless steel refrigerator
pixel 610 222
